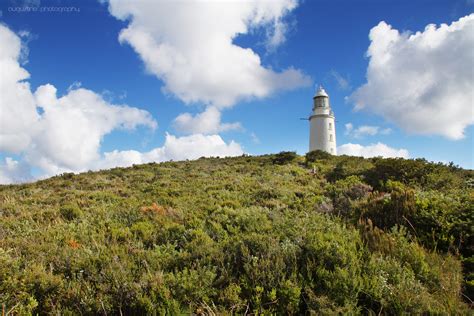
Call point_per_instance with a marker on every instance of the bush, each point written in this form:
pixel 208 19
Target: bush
pixel 70 212
pixel 240 235
pixel 416 172
pixel 316 155
pixel 284 157
pixel 386 210
pixel 346 194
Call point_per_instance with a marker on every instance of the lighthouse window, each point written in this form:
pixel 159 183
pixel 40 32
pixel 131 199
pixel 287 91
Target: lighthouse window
pixel 330 126
pixel 330 137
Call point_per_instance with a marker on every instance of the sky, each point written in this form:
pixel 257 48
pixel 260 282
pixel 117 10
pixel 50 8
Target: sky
pixel 89 85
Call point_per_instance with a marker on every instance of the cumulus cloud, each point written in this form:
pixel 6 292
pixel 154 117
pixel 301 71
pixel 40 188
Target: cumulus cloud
pixel 207 122
pixel 56 134
pixel 174 148
pixel 66 136
pixel 423 82
pixel 12 171
pixel 189 45
pixel 276 34
pixel 70 130
pixel 365 130
pixel 17 104
pixel 372 150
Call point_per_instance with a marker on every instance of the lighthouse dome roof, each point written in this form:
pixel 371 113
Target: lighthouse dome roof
pixel 321 92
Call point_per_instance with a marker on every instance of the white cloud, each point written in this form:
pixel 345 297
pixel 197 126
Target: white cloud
pixel 69 133
pixel 175 148
pixel 423 82
pixel 75 85
pixel 189 45
pixel 254 138
pixel 349 127
pixel 342 82
pixel 207 122
pixel 276 34
pixel 372 150
pixel 12 171
pixel 365 130
pixel 385 131
pixel 66 136
pixel 17 105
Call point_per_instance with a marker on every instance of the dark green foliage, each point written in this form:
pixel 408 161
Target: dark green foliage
pixel 70 212
pixel 349 166
pixel 396 207
pixel 347 193
pixel 415 172
pixel 316 155
pixel 256 235
pixel 284 157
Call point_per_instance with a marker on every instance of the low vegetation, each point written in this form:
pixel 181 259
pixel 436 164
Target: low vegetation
pixel 274 234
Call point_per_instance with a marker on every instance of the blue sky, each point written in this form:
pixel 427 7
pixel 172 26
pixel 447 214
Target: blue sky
pixel 326 42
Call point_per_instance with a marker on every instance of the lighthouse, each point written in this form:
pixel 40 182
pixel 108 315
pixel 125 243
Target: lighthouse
pixel 322 130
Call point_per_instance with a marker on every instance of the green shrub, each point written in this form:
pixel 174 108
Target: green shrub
pixel 70 212
pixel 316 155
pixel 389 209
pixel 265 235
pixel 284 157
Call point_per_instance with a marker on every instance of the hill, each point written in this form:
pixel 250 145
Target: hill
pixel 277 234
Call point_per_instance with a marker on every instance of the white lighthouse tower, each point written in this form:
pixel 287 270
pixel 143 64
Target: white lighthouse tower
pixel 322 134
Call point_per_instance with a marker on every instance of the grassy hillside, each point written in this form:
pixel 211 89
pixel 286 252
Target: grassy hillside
pixel 271 234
